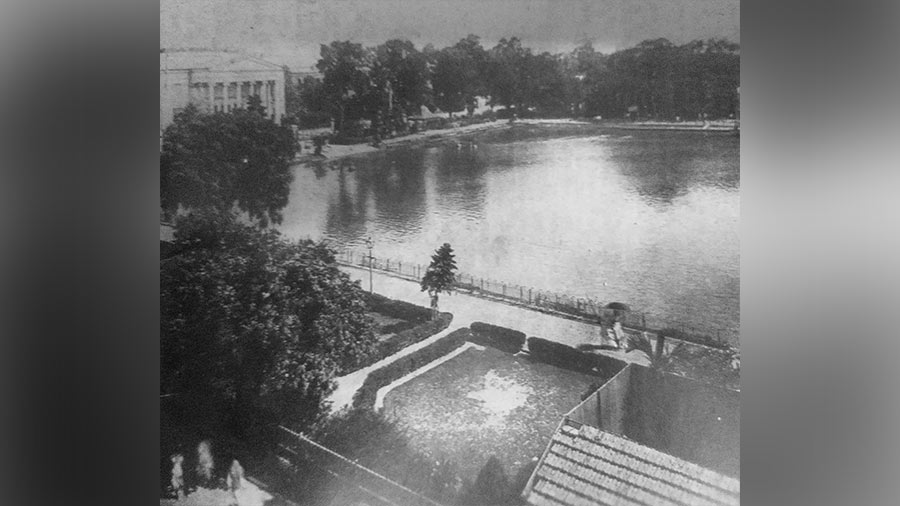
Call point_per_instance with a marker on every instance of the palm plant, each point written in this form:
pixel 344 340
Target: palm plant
pixel 659 359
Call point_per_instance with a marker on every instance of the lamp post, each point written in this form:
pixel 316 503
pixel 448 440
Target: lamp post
pixel 370 244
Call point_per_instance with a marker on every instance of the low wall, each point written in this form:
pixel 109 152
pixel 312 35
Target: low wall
pixel 691 420
pixel 685 418
pixel 605 409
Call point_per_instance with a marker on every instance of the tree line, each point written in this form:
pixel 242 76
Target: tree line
pixel 386 84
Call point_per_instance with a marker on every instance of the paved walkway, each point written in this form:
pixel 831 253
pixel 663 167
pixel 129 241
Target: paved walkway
pixel 467 309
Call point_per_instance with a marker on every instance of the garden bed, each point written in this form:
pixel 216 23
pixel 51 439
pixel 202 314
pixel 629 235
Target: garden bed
pixel 365 396
pixel 398 324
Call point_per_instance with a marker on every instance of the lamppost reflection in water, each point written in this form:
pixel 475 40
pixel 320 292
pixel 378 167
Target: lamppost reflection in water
pixel 370 244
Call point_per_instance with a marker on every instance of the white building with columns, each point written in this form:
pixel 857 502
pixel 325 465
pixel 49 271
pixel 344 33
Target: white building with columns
pixel 217 81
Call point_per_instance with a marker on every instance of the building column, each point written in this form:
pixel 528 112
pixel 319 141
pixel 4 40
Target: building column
pixel 273 113
pixel 265 96
pixel 240 94
pixel 279 106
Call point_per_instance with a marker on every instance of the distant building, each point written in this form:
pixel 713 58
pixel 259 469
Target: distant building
pixel 644 437
pixel 298 77
pixel 217 81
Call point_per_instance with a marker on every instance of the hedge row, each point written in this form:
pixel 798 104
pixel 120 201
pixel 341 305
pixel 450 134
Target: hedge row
pixel 379 378
pixel 400 340
pixel 566 357
pixel 397 308
pixel 694 338
pixel 502 338
pixel 418 333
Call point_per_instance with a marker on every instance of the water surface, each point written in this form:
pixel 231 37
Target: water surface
pixel 646 218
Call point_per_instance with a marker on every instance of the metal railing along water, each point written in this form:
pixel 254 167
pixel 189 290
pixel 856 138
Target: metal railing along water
pixel 546 300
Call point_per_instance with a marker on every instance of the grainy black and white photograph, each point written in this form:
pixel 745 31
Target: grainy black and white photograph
pixel 449 253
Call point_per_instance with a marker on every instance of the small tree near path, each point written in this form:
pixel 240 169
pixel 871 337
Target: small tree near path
pixel 439 277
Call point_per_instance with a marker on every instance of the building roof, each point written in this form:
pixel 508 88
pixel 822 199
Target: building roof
pixel 584 465
pixel 212 60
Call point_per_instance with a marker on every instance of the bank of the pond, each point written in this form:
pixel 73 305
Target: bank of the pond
pixel 337 151
pixel 726 126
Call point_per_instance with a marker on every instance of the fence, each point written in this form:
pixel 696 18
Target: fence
pixel 373 487
pixel 546 300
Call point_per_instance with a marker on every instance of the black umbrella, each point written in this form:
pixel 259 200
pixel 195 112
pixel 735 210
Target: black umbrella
pixel 618 309
pixel 618 306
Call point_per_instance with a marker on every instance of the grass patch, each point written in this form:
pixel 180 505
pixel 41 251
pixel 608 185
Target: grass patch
pixel 485 403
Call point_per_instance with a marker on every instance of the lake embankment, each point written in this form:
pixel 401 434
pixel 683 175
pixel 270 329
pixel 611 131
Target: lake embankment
pixel 692 126
pixel 336 151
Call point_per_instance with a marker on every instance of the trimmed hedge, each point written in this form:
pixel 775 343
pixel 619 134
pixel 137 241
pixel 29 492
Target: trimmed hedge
pixel 400 340
pixel 566 357
pixel 693 338
pixel 379 378
pixel 418 333
pixel 502 338
pixel 397 308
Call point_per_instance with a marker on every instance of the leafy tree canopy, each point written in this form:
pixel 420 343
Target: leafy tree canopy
pixel 222 161
pixel 255 320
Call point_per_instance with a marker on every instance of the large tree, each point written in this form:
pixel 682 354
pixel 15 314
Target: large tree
pixel 400 83
pixel 256 321
pixel 505 73
pixel 457 76
pixel 440 276
pixel 307 104
pixel 224 161
pixel 345 67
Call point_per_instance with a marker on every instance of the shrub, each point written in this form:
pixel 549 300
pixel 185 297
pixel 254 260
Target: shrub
pixel 502 338
pixel 365 397
pixel 693 338
pixel 566 357
pixel 397 308
pixel 411 336
pixel 400 340
pixel 396 328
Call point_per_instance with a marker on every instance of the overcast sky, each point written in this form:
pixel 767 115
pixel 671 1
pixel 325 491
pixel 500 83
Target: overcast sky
pixel 290 31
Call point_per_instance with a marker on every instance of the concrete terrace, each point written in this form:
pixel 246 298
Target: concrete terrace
pixel 467 309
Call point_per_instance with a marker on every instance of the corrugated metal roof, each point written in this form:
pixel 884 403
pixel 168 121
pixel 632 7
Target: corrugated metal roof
pixel 584 465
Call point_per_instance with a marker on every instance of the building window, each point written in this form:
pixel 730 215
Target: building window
pixel 232 91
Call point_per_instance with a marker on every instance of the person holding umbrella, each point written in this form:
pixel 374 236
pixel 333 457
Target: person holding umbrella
pixel 619 310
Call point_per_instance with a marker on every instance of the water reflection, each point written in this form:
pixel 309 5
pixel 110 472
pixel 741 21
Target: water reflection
pixel 671 164
pixel 397 185
pixel 460 179
pixel 346 218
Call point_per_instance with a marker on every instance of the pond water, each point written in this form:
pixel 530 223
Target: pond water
pixel 647 218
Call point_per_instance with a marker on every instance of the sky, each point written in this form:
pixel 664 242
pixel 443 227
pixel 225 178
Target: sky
pixel 289 32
